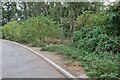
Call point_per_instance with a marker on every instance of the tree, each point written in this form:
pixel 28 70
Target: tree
pixel 8 12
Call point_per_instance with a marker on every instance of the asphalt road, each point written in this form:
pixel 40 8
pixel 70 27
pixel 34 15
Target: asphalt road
pixel 18 62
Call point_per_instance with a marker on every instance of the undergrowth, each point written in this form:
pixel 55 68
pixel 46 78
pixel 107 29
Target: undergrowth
pixel 96 64
pixel 96 51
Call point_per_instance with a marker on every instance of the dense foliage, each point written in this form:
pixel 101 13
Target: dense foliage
pixel 98 51
pixel 33 30
pixel 113 20
pixel 90 18
pixel 96 64
pixel 99 40
pixel 94 39
pixel 96 43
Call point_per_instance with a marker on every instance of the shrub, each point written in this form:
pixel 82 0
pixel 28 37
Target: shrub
pixel 112 20
pixel 90 18
pixel 94 39
pixel 40 28
pixel 12 31
pixel 97 51
pixel 97 64
pixel 95 43
pixel 103 63
pixel 33 30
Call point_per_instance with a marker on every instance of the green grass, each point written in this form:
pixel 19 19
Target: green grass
pixel 96 64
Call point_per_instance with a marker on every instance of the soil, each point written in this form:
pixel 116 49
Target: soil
pixel 72 67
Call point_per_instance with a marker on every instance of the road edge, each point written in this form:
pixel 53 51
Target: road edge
pixel 57 67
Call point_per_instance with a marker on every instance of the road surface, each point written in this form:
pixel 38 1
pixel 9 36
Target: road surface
pixel 18 62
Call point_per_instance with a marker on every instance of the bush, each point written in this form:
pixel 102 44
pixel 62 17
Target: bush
pixel 90 18
pixel 103 63
pixel 98 46
pixel 40 28
pixel 97 51
pixel 12 31
pixel 33 30
pixel 94 39
pixel 97 64
pixel 113 20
